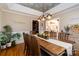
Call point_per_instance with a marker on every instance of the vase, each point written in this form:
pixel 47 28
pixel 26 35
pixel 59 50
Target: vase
pixel 8 44
pixel 13 43
pixel 3 46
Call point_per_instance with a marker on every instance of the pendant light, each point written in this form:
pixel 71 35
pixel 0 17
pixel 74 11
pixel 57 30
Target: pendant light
pixel 49 16
pixel 44 17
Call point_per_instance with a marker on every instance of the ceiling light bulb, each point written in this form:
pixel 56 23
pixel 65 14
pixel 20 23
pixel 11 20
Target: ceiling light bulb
pixel 43 19
pixel 39 20
pixel 49 17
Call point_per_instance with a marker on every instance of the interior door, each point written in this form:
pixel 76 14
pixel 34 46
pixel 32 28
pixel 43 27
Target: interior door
pixel 35 26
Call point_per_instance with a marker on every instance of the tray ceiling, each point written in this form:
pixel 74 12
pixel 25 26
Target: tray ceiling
pixel 43 7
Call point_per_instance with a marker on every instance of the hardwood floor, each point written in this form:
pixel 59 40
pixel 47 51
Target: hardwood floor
pixel 13 51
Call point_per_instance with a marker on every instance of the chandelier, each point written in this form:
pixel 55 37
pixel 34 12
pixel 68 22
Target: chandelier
pixel 44 17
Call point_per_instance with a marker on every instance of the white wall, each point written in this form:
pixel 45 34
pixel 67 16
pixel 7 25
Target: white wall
pixel 68 17
pixel 19 22
pixel 0 19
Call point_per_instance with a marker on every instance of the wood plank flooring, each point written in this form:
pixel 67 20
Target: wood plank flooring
pixel 13 51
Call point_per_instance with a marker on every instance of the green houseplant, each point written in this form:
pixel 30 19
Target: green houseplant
pixel 14 38
pixel 67 28
pixel 11 38
pixel 3 38
pixel 7 37
pixel 8 32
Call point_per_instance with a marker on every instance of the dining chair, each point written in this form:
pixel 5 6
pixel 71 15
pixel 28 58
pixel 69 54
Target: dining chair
pixel 35 47
pixel 63 36
pixel 53 35
pixel 24 36
pixel 32 47
pixel 27 44
pixel 32 32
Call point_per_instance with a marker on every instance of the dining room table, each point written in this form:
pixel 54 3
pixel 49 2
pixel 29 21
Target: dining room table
pixel 51 48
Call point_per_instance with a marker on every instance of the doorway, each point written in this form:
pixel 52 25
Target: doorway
pixel 35 26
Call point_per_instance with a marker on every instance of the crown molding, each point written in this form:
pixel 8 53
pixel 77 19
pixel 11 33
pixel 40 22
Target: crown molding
pixel 61 7
pixel 68 10
pixel 20 8
pixel 19 13
pixel 5 8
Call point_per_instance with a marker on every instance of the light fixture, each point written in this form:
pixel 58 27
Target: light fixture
pixel 45 17
pixel 49 16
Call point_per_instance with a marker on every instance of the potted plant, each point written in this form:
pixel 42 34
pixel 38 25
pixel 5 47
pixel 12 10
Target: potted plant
pixel 3 38
pixel 11 38
pixel 15 37
pixel 67 28
pixel 8 33
pixel 7 38
pixel 3 45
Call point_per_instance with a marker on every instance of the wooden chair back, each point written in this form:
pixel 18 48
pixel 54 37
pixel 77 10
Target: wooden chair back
pixel 63 36
pixel 25 38
pixel 53 35
pixel 27 44
pixel 32 32
pixel 31 47
pixel 35 46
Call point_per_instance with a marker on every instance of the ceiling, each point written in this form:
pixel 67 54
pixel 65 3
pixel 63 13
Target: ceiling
pixel 43 7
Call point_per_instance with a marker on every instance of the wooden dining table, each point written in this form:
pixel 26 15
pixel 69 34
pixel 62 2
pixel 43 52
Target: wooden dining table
pixel 50 48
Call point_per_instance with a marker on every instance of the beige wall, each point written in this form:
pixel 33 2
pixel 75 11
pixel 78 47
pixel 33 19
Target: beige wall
pixel 0 20
pixel 19 23
pixel 68 17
